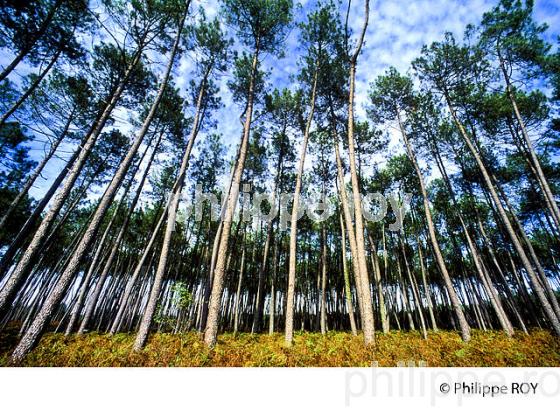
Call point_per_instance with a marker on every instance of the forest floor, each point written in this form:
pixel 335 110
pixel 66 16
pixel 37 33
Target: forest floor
pixel 335 349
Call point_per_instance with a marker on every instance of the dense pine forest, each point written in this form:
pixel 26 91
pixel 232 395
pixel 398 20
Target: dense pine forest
pixel 131 209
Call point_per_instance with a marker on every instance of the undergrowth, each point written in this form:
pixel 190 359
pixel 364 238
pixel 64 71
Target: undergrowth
pixel 335 349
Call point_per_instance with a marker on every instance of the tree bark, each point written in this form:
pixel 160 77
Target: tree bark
pixel 549 196
pixel 120 236
pixel 347 289
pixel 484 278
pixel 323 281
pixel 379 285
pixel 211 310
pixel 509 228
pixel 9 289
pixel 239 283
pixel 37 327
pixel 464 326
pixel 25 50
pixel 290 296
pixel 360 256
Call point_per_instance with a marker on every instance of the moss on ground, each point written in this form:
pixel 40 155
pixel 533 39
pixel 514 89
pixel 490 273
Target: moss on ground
pixel 334 349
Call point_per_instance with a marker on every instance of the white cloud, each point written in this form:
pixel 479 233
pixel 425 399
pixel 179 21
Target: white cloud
pixel 397 30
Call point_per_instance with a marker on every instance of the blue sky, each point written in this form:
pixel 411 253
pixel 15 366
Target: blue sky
pixel 396 32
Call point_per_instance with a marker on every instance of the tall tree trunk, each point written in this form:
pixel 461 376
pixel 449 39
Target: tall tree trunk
pixel 272 309
pixel 549 196
pixel 8 291
pixel 76 308
pixel 120 237
pixel 36 36
pixel 239 283
pixel 532 253
pixel 404 295
pixel 147 318
pixel 415 294
pixel 350 229
pixel 484 278
pixel 360 257
pixel 323 280
pixel 426 287
pixel 269 238
pixel 37 327
pixel 222 236
pixel 495 262
pixel 289 328
pixel 379 286
pixel 347 289
pixel 464 326
pixel 509 228
pixel 115 327
pixel 260 286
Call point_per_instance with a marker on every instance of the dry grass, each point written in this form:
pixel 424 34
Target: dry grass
pixel 336 349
